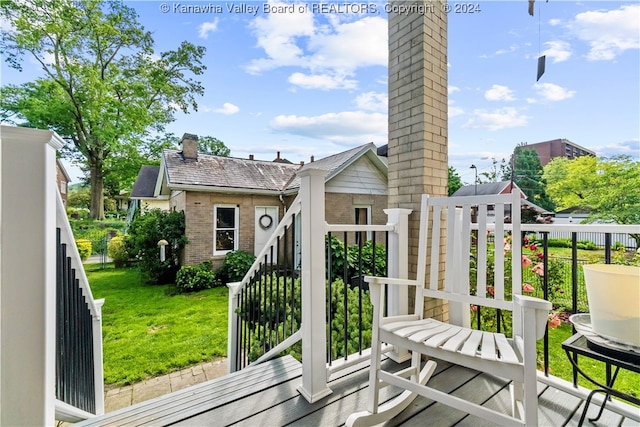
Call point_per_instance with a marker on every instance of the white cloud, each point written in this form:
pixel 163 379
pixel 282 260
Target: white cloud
pixel 344 128
pixel 608 32
pixel 453 89
pixel 277 34
pixel 207 27
pixel 555 22
pixel 502 118
pixel 454 111
pixel 499 93
pixel 626 148
pixel 227 109
pixel 552 92
pixel 557 50
pixel 322 81
pixel 373 101
pixel 330 52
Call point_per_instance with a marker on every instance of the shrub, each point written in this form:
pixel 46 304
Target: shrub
pixel 84 248
pixel 235 266
pixel 195 277
pixel 117 251
pixel 145 231
pixel 353 267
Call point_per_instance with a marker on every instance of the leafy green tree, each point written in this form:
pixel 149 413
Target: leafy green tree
pixel 212 145
pixel 455 181
pixel 526 172
pixel 608 187
pixel 498 172
pixel 104 88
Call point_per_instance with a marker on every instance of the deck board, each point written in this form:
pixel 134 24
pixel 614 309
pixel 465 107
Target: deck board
pixel 267 395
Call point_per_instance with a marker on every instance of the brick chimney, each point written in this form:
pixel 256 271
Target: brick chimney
pixel 189 146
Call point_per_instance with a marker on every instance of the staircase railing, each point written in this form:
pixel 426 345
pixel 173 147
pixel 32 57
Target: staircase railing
pixel 79 369
pixel 264 308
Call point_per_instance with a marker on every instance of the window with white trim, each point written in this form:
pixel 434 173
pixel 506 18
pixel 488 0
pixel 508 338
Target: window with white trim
pixel 225 228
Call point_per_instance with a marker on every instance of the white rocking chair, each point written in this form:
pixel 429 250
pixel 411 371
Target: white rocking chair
pixel 456 342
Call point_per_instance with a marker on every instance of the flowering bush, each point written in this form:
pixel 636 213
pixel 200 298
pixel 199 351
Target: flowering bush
pixel 492 319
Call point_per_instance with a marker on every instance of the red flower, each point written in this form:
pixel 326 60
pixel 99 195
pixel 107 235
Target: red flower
pixel 527 288
pixel 526 261
pixel 540 255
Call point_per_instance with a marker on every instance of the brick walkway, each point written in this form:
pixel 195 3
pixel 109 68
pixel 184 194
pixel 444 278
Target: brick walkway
pixel 121 397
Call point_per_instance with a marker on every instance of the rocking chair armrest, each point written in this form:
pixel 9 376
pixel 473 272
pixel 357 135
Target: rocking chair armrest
pixel 540 313
pixel 532 302
pixel 375 280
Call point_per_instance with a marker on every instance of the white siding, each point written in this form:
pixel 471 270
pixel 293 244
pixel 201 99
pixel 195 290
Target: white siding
pixel 361 177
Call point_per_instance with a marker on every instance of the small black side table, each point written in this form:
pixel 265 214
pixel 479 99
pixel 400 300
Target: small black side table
pixel 579 345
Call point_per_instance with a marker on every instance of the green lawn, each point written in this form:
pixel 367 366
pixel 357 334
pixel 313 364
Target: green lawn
pixel 150 330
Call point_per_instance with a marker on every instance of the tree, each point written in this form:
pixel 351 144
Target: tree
pixel 455 181
pixel 211 145
pixel 104 88
pixel 608 187
pixel 496 173
pixel 526 172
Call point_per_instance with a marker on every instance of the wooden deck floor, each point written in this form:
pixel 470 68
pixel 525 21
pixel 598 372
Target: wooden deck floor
pixel 266 395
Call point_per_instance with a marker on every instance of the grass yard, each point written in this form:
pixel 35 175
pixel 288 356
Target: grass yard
pixel 151 330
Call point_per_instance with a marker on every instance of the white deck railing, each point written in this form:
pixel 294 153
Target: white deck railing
pixel 30 212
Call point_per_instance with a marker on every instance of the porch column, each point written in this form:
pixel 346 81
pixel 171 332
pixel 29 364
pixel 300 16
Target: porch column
pixel 418 161
pixel 28 276
pixel 398 266
pixel 314 317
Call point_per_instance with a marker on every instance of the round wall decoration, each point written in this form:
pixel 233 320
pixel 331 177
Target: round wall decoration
pixel 265 221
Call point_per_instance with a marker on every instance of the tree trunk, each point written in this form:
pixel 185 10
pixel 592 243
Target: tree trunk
pixel 97 190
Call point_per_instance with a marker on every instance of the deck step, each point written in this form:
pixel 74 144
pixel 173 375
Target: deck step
pixel 205 397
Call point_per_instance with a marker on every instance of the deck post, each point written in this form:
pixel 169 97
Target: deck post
pixel 398 266
pixel 28 276
pixel 98 366
pixel 313 325
pixel 232 328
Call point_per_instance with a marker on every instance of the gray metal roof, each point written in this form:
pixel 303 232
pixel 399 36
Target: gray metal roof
pixel 145 182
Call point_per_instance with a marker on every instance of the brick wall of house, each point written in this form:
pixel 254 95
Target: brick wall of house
pixel 340 209
pixel 417 118
pixel 199 208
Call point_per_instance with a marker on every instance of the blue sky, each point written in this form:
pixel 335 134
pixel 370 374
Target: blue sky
pixel 308 83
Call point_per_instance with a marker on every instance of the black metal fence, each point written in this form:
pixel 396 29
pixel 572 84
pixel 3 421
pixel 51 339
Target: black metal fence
pixel 269 308
pixel 75 377
pixel 349 309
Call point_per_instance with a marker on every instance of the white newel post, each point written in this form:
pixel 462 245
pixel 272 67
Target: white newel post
pixel 313 327
pixel 398 266
pixel 28 276
pixel 232 327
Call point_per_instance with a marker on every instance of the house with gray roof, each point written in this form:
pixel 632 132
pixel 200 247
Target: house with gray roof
pixel 233 203
pixel 502 187
pixel 143 190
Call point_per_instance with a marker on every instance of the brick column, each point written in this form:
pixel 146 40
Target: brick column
pixel 418 158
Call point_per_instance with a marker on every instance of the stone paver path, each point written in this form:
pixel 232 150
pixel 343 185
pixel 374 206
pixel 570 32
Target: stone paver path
pixel 121 397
